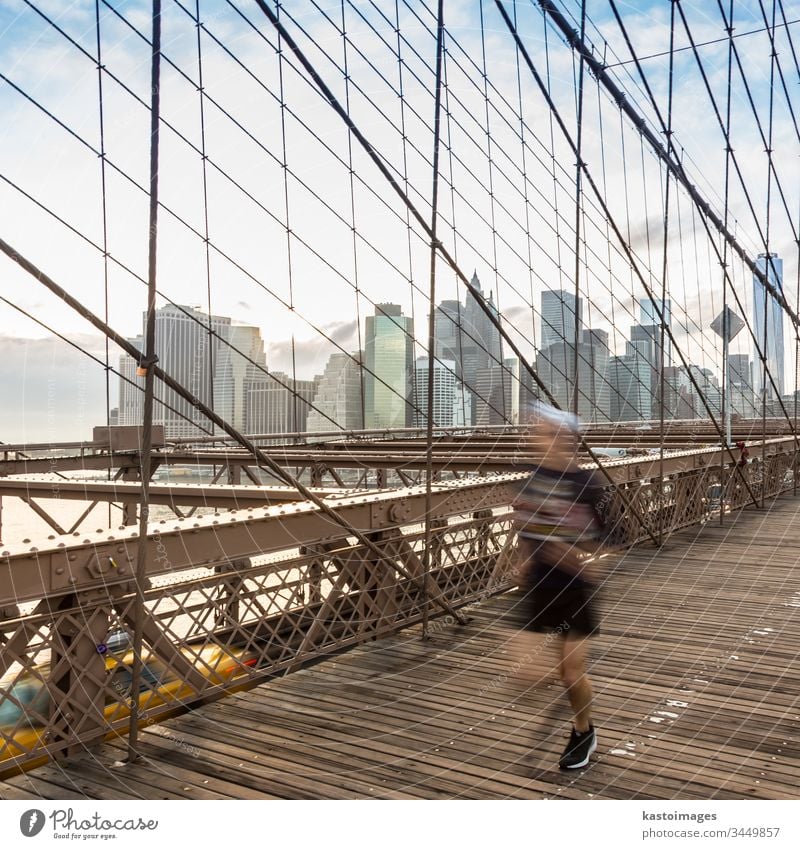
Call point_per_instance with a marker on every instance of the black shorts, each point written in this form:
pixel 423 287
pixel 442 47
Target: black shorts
pixel 568 610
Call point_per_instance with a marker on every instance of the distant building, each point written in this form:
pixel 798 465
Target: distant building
pixel 740 387
pixel 202 361
pixel 768 318
pixel 648 310
pixel 451 404
pixel 278 404
pixel 631 393
pixel 497 388
pixel 466 335
pixel 337 400
pixel 233 370
pixel 389 361
pixel 188 352
pixel 131 394
pixel 558 316
pixel 555 366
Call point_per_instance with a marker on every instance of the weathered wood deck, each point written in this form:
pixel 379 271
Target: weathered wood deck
pixel 697 696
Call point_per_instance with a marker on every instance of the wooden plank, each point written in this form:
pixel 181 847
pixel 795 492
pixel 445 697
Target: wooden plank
pixel 695 698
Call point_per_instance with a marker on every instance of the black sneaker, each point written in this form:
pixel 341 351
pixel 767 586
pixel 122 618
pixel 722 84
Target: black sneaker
pixel 578 749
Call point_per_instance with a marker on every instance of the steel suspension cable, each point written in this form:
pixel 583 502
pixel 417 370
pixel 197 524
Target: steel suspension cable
pixel 707 227
pixel 247 443
pixel 578 209
pixel 618 234
pixel 204 169
pixel 147 363
pixel 431 315
pixel 661 152
pixel 379 163
pixel 664 269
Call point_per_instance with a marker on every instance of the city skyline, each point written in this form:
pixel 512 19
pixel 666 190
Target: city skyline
pixel 385 388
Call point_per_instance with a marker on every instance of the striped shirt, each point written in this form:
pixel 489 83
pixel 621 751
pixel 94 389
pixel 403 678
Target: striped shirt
pixel 559 505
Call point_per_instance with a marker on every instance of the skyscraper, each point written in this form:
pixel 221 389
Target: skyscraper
pixel 186 351
pixel 451 405
pixel 131 397
pixel 631 396
pixel 389 361
pixel 558 317
pixel 740 388
pixel 466 335
pixel 555 366
pixel 232 370
pixel 337 401
pixel 498 389
pixel 768 317
pixel 648 310
pixel 277 403
pixel 202 362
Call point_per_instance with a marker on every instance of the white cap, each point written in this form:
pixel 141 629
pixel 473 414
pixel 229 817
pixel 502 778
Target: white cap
pixel 561 418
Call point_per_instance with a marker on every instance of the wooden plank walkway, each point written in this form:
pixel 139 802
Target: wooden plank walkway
pixel 696 680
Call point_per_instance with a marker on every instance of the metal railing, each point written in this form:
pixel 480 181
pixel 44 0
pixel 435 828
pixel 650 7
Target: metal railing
pixel 236 597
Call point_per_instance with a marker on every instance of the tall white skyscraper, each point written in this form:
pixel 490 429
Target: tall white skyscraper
pixel 768 316
pixel 648 309
pixel 466 335
pixel 278 404
pixel 131 397
pixel 558 317
pixel 449 399
pixel 201 362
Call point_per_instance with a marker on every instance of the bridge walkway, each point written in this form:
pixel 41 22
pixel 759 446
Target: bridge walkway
pixel 697 696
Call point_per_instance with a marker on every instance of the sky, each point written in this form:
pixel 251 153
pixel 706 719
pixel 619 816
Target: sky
pixel 514 223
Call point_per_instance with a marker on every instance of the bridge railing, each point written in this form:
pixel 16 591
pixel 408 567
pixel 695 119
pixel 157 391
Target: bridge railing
pixel 239 596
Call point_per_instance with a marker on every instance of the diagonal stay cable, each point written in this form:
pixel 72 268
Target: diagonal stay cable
pixel 374 156
pixel 243 440
pixel 600 72
pixel 721 255
pixel 617 232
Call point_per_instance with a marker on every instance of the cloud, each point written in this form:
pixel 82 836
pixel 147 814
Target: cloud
pixel 58 393
pixel 311 355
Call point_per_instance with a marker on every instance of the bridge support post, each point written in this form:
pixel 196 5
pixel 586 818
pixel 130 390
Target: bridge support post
pixel 78 677
pixel 129 516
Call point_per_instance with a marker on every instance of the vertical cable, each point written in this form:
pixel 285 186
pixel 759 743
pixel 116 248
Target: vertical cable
pixel 431 325
pixel 768 265
pixel 468 418
pixel 490 163
pixel 285 166
pixel 105 222
pixel 402 97
pixel 727 395
pixel 146 365
pixel 607 377
pixel 525 200
pixel 204 161
pixel 578 208
pixel 664 267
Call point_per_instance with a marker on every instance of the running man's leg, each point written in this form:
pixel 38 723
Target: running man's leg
pixel 535 657
pixel 574 651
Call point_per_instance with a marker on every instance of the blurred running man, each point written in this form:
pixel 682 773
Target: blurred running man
pixel 560 528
